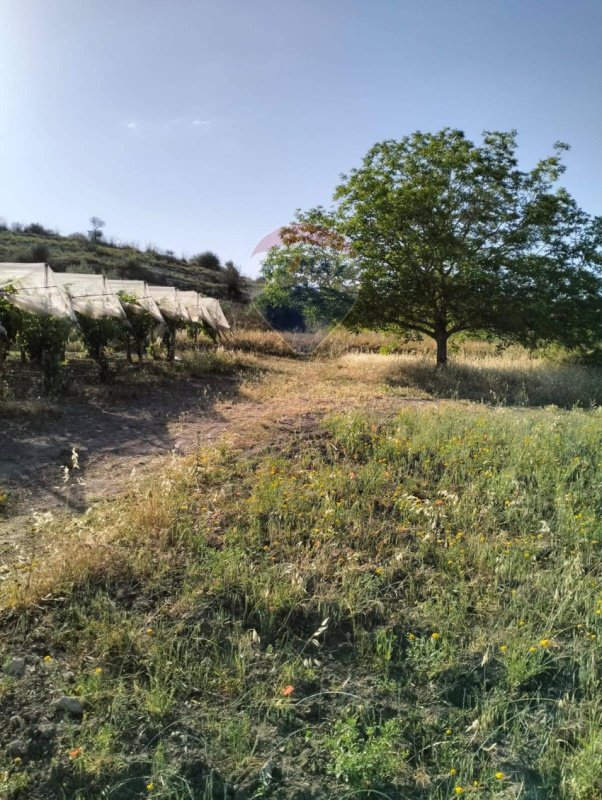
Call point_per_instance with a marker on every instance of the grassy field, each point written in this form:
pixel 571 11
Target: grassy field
pixel 398 598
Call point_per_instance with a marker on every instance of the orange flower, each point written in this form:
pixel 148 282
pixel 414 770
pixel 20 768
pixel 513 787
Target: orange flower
pixel 288 690
pixel 75 753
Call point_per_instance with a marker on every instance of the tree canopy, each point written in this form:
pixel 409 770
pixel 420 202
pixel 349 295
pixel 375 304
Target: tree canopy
pixel 311 279
pixel 452 236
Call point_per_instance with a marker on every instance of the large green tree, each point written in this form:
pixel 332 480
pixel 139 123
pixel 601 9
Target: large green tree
pixel 452 236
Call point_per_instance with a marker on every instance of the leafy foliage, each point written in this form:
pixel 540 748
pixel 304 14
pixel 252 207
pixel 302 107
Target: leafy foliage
pixel 311 279
pixel 234 283
pixel 97 335
pixel 207 260
pixel 452 236
pixel 95 233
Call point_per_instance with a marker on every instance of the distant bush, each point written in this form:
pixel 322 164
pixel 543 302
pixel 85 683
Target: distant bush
pixel 206 260
pixel 78 237
pixel 234 284
pixel 37 229
pixel 39 253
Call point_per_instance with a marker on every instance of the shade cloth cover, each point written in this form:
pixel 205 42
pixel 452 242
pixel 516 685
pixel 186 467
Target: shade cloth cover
pixel 139 290
pixel 91 295
pixel 167 298
pixel 33 288
pixel 212 307
pixel 198 313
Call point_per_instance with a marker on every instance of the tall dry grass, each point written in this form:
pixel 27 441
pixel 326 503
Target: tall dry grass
pixel 338 342
pixel 511 378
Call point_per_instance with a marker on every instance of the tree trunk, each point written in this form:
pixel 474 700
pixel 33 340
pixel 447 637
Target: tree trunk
pixel 171 346
pixel 3 355
pixel 441 340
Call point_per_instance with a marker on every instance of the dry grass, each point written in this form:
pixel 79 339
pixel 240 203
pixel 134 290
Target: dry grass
pixel 396 600
pixel 507 379
pixel 339 341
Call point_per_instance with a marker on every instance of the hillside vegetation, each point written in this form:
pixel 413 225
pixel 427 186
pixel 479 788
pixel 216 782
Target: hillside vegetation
pixel 76 253
pixel 402 602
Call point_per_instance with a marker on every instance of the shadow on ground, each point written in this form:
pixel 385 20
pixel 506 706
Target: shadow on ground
pixel 541 384
pixel 142 414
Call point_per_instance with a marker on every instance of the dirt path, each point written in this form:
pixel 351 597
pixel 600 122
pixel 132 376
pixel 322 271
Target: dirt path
pixel 115 441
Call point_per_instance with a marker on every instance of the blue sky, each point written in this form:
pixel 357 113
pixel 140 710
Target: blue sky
pixel 198 125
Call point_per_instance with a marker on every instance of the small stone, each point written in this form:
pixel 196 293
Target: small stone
pixel 71 705
pixel 17 748
pixel 16 668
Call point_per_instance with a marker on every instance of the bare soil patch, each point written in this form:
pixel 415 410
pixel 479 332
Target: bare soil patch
pixel 121 434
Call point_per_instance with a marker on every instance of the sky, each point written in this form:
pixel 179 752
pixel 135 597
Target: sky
pixel 197 124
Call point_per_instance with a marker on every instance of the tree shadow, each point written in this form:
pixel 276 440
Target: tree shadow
pixel 528 384
pixel 47 447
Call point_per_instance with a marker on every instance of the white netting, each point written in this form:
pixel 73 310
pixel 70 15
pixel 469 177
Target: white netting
pixel 166 297
pixel 212 307
pixel 33 288
pixel 190 300
pixel 91 295
pixel 204 309
pixel 138 290
pixel 197 312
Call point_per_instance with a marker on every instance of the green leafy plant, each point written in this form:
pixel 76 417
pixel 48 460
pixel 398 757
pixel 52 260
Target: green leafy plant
pixel 365 756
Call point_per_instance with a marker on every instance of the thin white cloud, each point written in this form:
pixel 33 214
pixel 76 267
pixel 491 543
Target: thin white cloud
pixel 150 128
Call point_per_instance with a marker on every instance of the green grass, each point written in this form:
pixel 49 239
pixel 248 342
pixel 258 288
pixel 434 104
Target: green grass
pixel 409 609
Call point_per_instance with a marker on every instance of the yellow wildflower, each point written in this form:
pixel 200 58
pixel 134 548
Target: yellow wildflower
pixel 411 636
pixel 150 786
pixel 48 659
pixel 459 789
pixel 545 642
pixel 435 635
pixel 503 648
pixel 499 776
pixel 452 771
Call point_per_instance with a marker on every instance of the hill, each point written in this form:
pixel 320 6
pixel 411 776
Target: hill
pixel 76 253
